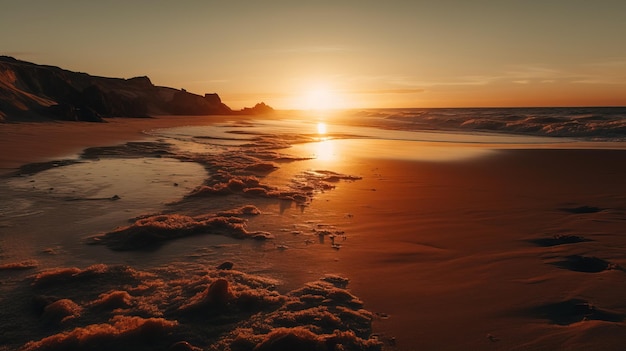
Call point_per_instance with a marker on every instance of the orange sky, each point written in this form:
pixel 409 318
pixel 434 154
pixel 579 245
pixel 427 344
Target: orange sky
pixel 342 54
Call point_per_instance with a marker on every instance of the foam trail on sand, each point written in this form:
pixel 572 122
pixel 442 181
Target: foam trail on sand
pixel 117 307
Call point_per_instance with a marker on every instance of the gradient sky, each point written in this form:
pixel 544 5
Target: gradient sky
pixel 295 54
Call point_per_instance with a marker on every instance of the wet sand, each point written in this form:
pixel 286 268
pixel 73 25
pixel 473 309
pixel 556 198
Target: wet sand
pixel 520 250
pixel 516 249
pixel 23 143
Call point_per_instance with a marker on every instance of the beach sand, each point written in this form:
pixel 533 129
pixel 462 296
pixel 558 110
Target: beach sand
pixel 490 253
pixel 513 249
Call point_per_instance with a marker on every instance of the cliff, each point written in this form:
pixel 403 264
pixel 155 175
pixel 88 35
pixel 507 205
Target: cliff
pixel 30 91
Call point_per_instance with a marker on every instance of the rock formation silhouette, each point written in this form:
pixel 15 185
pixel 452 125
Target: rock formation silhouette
pixel 30 91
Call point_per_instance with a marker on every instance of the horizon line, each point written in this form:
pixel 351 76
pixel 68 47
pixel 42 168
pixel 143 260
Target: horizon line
pixel 457 107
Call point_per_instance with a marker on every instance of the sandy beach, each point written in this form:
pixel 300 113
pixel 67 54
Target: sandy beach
pixel 509 249
pixel 312 176
pixel 475 255
pixel 44 141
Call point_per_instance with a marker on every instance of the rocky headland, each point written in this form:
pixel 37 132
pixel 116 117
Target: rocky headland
pixel 30 92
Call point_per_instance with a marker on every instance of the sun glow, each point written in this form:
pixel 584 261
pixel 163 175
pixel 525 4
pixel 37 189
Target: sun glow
pixel 321 128
pixel 320 98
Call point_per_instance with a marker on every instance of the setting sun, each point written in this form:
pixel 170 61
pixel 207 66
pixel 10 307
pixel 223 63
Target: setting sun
pixel 321 97
pixel 321 128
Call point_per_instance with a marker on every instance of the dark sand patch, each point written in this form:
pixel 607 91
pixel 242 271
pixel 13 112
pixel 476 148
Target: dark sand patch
pixel 574 311
pixel 559 240
pixel 34 168
pixel 581 209
pixel 585 264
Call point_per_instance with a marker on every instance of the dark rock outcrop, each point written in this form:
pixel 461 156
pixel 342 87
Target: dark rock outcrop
pixel 258 109
pixel 184 103
pixel 29 91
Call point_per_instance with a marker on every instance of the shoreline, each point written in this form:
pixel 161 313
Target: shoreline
pixel 30 142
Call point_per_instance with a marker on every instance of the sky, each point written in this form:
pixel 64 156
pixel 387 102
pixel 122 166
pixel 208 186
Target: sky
pixel 338 54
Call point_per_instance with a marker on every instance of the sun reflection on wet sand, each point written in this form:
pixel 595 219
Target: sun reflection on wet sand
pixel 324 150
pixel 414 151
pixel 331 150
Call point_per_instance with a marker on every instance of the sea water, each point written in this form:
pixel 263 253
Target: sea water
pixel 589 123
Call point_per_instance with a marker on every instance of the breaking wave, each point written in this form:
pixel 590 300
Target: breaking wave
pixel 591 123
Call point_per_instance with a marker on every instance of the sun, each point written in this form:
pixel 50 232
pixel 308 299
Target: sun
pixel 321 128
pixel 320 97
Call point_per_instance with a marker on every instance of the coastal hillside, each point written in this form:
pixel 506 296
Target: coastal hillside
pixel 30 91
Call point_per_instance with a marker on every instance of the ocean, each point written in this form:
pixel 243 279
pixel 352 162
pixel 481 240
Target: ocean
pixel 587 123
